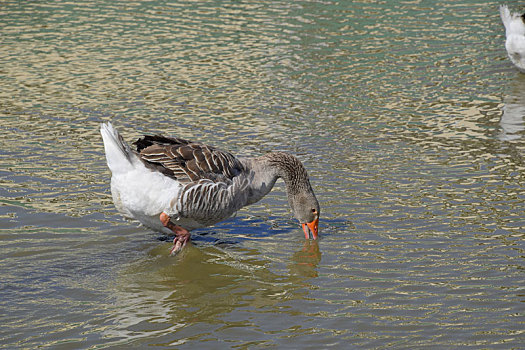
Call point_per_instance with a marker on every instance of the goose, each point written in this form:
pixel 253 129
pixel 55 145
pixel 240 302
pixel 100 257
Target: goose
pixel 515 33
pixel 173 185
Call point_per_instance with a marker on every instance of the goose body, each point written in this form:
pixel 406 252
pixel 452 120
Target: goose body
pixel 173 185
pixel 515 36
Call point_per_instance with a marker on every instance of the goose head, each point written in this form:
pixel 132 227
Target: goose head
pixel 305 208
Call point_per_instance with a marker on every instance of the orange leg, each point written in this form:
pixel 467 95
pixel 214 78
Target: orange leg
pixel 182 236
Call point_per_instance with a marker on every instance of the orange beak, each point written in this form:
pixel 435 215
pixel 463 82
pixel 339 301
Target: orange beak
pixel 311 226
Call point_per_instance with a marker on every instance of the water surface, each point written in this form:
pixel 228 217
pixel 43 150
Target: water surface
pixel 408 116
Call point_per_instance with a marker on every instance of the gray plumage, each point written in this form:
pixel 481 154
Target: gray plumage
pixel 198 185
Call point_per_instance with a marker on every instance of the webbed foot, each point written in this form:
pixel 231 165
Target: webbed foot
pixel 182 236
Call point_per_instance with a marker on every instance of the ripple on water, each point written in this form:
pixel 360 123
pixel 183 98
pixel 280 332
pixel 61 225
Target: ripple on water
pixel 414 148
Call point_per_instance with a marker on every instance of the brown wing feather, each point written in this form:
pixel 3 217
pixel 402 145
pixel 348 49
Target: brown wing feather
pixel 187 161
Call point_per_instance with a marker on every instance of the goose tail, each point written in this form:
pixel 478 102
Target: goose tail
pixel 506 16
pixel 119 155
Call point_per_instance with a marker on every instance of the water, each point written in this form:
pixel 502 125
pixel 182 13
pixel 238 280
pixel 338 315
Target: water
pixel 408 116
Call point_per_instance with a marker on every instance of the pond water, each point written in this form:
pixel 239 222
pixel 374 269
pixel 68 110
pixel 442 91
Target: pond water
pixel 407 114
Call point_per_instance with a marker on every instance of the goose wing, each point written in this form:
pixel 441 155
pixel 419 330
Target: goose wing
pixel 186 161
pixel 212 188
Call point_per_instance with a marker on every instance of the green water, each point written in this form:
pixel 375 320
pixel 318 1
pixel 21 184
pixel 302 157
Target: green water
pixel 407 114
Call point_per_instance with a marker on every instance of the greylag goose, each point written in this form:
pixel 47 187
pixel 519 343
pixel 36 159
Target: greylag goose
pixel 172 185
pixel 515 33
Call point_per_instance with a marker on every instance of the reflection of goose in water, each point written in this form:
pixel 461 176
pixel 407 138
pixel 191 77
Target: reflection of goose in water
pixel 305 261
pixel 206 288
pixel 513 119
pixel 515 33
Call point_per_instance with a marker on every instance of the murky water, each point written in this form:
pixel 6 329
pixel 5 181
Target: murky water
pixel 408 115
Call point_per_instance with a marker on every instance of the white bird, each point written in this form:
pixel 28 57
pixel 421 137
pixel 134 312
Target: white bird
pixel 515 32
pixel 174 185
